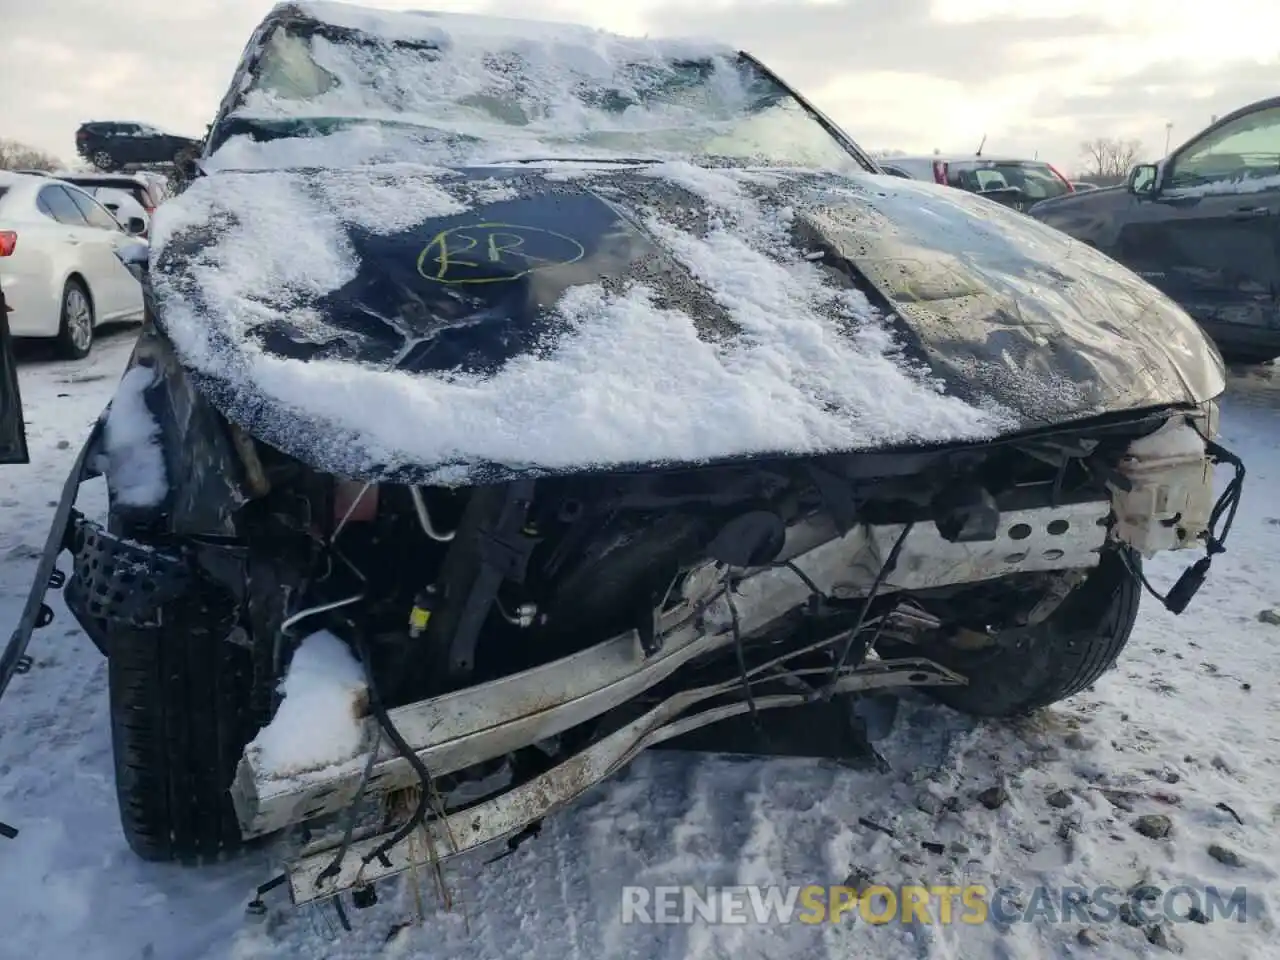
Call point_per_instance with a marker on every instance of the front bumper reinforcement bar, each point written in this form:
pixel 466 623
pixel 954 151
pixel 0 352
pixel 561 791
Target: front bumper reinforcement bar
pixel 508 813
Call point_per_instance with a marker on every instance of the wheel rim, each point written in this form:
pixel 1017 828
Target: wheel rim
pixel 79 319
pixel 102 158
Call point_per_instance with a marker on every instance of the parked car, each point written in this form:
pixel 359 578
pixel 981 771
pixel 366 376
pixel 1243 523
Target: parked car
pixel 1012 182
pixel 115 144
pixel 126 196
pixel 566 438
pixel 13 428
pixel 59 263
pixel 1203 225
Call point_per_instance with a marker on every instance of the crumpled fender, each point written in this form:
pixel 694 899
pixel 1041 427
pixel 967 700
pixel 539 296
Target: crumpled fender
pixel 207 478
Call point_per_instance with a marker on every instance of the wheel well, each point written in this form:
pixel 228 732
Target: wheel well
pixel 79 279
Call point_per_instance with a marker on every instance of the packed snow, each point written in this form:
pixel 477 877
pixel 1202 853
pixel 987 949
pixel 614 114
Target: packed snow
pixel 467 89
pixel 131 441
pixel 630 381
pixel 1183 729
pixel 320 722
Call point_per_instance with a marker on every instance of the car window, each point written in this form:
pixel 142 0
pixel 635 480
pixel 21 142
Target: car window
pixel 1034 180
pixel 55 202
pixel 1247 148
pixel 95 214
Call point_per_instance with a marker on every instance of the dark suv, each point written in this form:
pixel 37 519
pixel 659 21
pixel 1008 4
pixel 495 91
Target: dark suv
pixel 1203 225
pixel 116 144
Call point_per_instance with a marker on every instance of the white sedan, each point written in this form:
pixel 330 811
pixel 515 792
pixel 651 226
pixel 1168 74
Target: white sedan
pixel 60 268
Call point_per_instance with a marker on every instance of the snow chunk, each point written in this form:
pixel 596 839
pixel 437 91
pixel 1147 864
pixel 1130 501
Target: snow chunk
pixel 281 246
pixel 319 721
pixel 385 202
pixel 135 465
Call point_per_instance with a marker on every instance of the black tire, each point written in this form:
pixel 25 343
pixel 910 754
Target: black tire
pixel 1058 657
pixel 104 161
pixel 76 321
pixel 181 714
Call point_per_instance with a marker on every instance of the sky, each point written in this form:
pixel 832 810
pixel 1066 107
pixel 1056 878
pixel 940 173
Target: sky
pixel 1036 79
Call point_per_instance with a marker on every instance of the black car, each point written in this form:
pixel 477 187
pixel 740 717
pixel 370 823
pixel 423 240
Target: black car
pixel 116 144
pixel 1014 182
pixel 562 428
pixel 1203 225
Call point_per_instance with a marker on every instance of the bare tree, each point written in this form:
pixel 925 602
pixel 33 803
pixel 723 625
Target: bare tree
pixel 20 156
pixel 1110 157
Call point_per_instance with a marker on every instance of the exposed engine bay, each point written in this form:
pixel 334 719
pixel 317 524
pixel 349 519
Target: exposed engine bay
pixel 522 641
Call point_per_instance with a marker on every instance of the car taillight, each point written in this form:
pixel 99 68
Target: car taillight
pixel 940 172
pixel 8 242
pixel 82 135
pixel 1054 170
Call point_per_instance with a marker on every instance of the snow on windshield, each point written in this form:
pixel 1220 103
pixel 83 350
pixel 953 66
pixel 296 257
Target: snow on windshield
pixel 465 85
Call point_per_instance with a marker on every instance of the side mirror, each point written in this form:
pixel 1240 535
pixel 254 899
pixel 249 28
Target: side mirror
pixel 1142 180
pixel 135 256
pixel 136 226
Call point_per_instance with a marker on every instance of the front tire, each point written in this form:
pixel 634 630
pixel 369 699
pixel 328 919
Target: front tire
pixel 181 714
pixel 1055 659
pixel 76 322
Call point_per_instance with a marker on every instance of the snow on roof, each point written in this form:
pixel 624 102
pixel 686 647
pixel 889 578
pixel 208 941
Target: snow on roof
pixel 629 380
pixel 447 28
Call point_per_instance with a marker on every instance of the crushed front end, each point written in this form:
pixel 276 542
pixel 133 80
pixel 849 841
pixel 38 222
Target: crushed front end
pixel 520 642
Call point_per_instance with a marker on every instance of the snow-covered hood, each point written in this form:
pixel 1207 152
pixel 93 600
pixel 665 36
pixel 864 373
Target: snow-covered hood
pixel 403 322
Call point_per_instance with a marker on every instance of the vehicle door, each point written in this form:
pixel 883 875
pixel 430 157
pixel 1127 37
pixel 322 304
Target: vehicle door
pixel 13 433
pixel 1208 233
pixel 89 251
pixel 119 293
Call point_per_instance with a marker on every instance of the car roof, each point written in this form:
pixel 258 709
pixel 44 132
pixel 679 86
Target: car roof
pixel 960 158
pixel 10 179
pixel 102 179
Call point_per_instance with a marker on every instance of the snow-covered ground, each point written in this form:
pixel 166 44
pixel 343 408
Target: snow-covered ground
pixel 1185 727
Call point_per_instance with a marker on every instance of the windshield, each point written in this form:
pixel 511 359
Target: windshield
pixel 1034 180
pixel 525 98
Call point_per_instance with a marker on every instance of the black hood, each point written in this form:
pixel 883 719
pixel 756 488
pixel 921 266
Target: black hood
pixel 1093 216
pixel 1013 320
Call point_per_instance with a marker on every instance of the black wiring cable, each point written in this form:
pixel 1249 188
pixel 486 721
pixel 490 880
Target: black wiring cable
pixel 1224 512
pixel 419 815
pixel 741 655
pixel 886 568
pixel 353 809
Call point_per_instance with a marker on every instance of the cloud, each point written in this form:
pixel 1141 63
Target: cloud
pixel 905 74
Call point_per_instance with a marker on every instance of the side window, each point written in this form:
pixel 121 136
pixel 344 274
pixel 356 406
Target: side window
pixel 94 213
pixel 1246 149
pixel 55 202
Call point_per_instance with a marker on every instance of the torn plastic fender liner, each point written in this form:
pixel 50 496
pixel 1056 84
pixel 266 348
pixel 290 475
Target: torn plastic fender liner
pixel 207 477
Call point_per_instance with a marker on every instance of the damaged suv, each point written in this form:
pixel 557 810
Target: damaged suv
pixel 515 397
